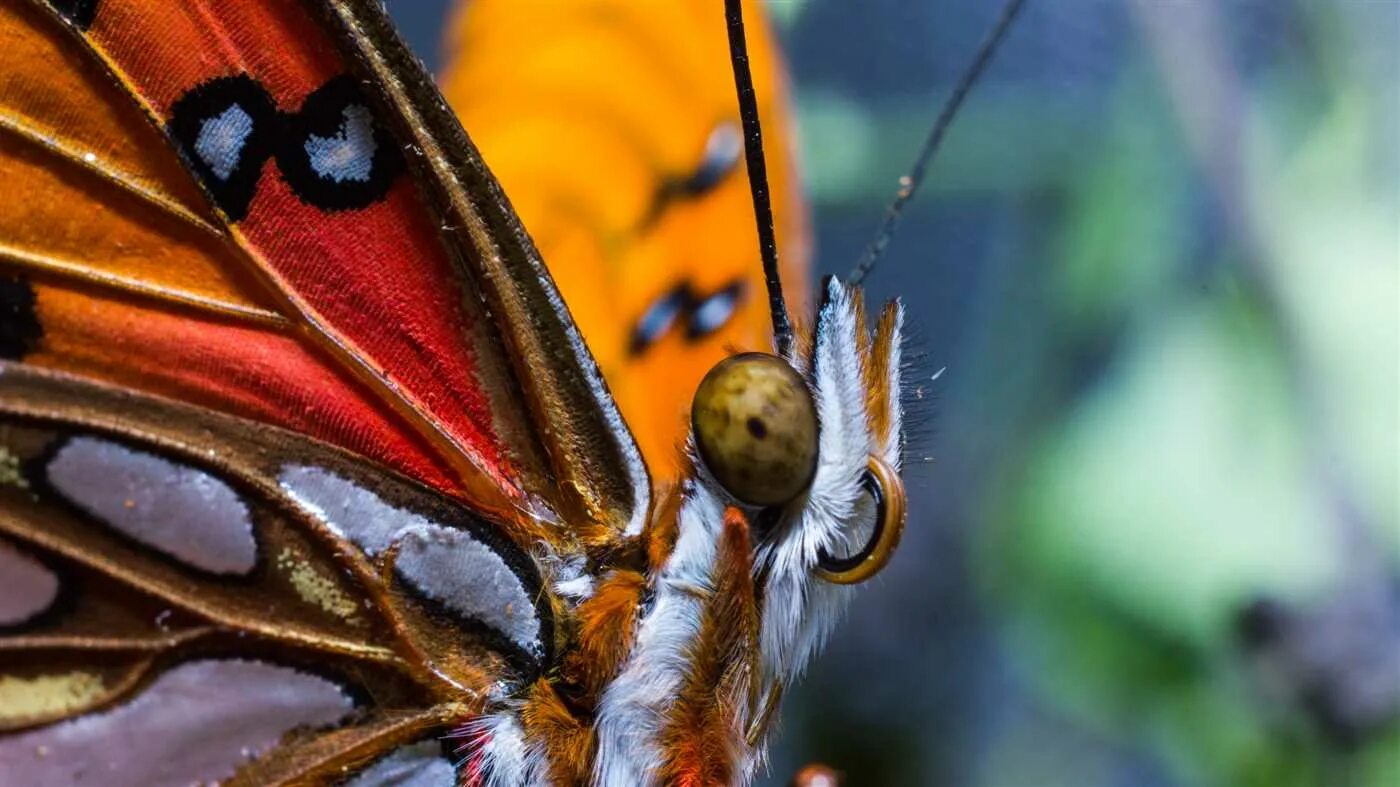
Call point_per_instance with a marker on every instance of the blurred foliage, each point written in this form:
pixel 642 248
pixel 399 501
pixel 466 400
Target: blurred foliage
pixel 1239 444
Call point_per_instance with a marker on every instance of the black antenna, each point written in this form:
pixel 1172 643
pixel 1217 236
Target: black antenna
pixel 909 184
pixel 758 176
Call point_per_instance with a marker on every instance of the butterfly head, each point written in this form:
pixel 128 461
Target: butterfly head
pixel 809 447
pixel 794 497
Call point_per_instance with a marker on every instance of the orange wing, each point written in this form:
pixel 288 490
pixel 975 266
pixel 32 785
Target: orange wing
pixel 613 126
pixel 316 278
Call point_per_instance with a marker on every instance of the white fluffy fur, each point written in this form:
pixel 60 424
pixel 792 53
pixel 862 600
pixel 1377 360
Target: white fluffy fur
pixel 633 708
pixel 894 441
pixel 800 610
pixel 500 753
pixel 567 575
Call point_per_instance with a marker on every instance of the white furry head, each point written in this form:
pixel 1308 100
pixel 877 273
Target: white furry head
pixel 855 381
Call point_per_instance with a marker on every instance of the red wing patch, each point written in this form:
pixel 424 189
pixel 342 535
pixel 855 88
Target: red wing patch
pixel 257 100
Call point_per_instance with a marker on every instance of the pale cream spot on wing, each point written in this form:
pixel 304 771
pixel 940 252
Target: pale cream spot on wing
pixel 176 508
pixel 316 588
pixel 10 473
pixel 47 695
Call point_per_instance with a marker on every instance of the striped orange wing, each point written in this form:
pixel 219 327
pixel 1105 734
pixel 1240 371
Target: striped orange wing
pixel 614 127
pixel 328 268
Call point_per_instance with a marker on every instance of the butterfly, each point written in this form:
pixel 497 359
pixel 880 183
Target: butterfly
pixel 307 474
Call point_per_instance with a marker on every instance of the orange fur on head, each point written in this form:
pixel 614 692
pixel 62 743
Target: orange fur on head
pixel 703 738
pixel 878 396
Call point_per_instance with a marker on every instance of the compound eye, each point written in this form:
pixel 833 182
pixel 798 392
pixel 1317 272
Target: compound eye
pixel 756 428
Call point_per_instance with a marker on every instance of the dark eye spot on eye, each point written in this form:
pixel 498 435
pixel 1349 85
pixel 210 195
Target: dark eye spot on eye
pixel 760 458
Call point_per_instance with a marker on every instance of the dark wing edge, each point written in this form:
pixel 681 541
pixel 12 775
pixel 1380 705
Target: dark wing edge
pixel 592 452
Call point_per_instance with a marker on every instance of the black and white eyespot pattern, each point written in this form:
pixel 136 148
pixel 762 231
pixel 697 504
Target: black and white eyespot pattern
pixel 225 129
pixel 336 156
pixel 723 150
pixel 714 312
pixel 332 152
pixel 699 315
pixel 659 318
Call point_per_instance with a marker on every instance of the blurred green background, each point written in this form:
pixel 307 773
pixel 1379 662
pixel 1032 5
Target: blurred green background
pixel 1156 528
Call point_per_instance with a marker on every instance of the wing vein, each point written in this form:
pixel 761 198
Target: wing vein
pixel 78 271
pixel 102 643
pixel 88 162
pixel 15 527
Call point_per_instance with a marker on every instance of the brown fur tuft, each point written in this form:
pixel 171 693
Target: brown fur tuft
pixel 607 625
pixel 878 396
pixel 568 741
pixel 704 735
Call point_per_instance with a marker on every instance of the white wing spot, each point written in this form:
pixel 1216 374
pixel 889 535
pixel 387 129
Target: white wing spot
pixel 714 312
pixel 222 138
pixel 186 513
pixel 445 564
pixel 196 724
pixel 27 588
pixel 349 155
pixel 415 765
pixel 465 575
